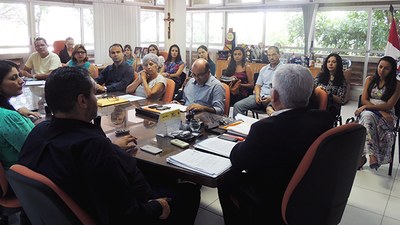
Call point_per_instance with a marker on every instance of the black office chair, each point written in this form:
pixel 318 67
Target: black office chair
pixel 256 112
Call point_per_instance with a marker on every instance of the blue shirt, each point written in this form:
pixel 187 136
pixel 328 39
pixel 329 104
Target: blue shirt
pixel 116 78
pixel 211 94
pixel 265 79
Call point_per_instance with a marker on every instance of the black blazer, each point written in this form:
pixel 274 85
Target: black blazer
pixel 64 56
pixel 270 155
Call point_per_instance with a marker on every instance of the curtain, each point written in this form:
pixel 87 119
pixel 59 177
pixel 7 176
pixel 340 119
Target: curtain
pixel 113 23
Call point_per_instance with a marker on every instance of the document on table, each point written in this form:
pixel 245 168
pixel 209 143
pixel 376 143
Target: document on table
pixel 35 82
pixel 217 146
pixel 181 108
pixel 200 162
pixel 131 98
pixel 243 128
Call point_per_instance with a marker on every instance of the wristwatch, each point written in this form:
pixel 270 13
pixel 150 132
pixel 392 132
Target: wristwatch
pixel 105 89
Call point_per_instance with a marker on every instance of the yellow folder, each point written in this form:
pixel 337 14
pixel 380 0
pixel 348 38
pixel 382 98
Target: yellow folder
pixel 110 101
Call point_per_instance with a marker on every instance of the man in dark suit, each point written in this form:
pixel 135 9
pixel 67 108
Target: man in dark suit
pixel 264 163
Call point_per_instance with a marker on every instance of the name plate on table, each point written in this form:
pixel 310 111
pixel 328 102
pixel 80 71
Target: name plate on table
pixel 154 111
pixel 168 122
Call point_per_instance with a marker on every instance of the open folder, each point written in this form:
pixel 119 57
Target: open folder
pixel 200 162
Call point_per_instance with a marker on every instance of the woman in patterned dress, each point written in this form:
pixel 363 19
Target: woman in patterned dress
pixel 332 80
pixel 380 95
pixel 173 67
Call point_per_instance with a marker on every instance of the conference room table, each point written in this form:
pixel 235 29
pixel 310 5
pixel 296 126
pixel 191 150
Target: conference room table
pixel 142 127
pixel 145 130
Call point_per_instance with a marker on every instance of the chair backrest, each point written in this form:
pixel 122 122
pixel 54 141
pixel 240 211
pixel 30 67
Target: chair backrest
pixel 318 191
pixel 43 201
pixel 164 54
pixel 321 98
pixel 58 46
pixel 169 91
pixel 3 182
pixel 227 98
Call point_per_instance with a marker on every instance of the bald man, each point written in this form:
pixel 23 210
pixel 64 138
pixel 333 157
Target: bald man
pixel 203 92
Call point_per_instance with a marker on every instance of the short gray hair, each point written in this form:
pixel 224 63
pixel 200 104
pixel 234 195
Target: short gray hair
pixel 294 84
pixel 152 57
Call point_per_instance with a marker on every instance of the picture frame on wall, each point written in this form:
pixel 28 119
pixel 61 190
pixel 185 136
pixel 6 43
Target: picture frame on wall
pixel 144 51
pixel 138 51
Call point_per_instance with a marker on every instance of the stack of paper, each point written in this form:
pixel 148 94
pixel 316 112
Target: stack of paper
pixel 200 162
pixel 243 128
pixel 216 145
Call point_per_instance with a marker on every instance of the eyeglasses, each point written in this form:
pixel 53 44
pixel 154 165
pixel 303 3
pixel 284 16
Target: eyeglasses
pixel 80 52
pixel 196 75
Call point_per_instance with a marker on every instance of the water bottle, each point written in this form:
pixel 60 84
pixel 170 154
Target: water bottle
pixel 42 106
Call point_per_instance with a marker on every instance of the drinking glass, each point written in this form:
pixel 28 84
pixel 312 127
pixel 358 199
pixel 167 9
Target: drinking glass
pixel 195 125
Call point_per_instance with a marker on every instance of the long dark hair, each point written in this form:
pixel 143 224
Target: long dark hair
pixel 232 64
pixel 324 76
pixel 156 48
pixel 5 68
pixel 205 49
pixel 390 80
pixel 178 57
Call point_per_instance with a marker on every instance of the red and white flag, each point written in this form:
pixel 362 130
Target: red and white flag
pixel 393 45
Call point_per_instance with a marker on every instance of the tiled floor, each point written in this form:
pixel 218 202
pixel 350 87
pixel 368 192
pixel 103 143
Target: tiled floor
pixel 374 199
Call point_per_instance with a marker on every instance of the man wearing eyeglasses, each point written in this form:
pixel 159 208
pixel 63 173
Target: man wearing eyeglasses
pixel 203 92
pixel 42 62
pixel 262 90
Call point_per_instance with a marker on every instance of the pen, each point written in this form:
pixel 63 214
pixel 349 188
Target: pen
pixel 237 137
pixel 233 124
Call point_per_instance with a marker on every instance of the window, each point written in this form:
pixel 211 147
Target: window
pixel 341 31
pixel 205 2
pixel 215 30
pixel 205 29
pixel 247 27
pixel 285 29
pixel 151 28
pixel 14 24
pixel 380 30
pixel 199 27
pixel 51 23
pixel 244 1
pixel 88 28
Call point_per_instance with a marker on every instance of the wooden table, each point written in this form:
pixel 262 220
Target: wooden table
pixel 144 128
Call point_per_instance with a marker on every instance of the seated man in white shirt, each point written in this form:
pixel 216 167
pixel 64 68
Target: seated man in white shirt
pixel 42 62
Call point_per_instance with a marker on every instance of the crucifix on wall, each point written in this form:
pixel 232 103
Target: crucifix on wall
pixel 169 20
